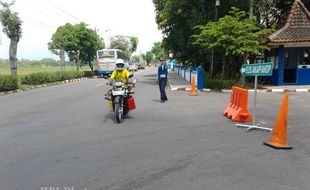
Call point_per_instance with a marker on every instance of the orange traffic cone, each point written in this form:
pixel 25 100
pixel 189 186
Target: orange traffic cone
pixel 278 137
pixel 193 87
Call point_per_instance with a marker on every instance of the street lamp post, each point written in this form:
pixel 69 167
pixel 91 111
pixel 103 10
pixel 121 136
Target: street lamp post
pixel 217 4
pixel 251 7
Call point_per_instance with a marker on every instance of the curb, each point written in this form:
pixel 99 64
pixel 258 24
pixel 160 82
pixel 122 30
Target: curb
pixel 44 85
pixel 250 90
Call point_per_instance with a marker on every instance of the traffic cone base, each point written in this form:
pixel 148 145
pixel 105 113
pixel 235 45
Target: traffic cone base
pixel 278 146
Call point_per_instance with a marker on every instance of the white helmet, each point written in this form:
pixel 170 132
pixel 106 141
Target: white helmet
pixel 119 64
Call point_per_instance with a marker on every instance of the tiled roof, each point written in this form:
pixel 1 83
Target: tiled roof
pixel 297 27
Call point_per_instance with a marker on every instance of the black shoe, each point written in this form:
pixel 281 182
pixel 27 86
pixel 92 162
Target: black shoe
pixel 162 101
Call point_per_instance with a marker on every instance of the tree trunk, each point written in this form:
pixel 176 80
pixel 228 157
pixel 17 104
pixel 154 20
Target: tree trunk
pixel 78 61
pixel 62 59
pixel 212 64
pixel 223 68
pixel 244 61
pixel 91 66
pixel 12 54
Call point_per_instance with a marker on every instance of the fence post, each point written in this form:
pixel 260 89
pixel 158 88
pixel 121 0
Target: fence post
pixel 190 75
pixel 173 65
pixel 200 78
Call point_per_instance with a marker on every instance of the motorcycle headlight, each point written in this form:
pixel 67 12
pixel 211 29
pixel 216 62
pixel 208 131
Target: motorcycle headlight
pixel 118 83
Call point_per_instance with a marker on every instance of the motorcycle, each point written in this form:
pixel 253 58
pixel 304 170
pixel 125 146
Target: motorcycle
pixel 120 99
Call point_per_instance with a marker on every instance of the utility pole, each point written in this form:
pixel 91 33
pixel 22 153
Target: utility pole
pixel 217 4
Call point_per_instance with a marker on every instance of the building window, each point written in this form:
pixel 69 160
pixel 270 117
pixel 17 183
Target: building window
pixel 306 56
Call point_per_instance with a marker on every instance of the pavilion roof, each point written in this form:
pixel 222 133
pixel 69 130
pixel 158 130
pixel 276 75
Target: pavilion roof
pixel 296 29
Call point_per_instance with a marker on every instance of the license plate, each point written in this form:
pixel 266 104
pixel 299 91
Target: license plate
pixel 116 93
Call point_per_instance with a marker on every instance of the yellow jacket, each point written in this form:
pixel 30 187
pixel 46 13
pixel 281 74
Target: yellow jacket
pixel 120 75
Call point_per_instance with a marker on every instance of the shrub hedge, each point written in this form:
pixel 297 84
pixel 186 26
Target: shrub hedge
pixel 219 83
pixel 8 82
pixel 49 77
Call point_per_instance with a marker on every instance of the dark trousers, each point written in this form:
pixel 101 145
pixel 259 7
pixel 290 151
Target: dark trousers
pixel 162 85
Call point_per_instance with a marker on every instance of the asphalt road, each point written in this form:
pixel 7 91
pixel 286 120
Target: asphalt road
pixel 63 137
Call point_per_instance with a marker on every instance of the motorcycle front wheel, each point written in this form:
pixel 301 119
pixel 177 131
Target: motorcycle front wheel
pixel 118 112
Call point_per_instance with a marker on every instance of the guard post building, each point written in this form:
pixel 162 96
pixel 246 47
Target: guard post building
pixel 290 49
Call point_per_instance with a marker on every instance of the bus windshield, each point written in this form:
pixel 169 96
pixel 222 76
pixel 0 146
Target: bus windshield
pixel 106 54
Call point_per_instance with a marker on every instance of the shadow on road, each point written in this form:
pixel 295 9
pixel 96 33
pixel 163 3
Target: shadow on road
pixel 151 75
pixel 111 116
pixel 155 100
pixel 149 81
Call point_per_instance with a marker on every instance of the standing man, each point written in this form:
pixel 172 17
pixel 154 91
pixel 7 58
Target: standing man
pixel 162 79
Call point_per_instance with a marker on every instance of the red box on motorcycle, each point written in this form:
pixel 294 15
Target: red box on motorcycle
pixel 131 103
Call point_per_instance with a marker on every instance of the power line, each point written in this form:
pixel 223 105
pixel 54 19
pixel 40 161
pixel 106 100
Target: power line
pixel 38 22
pixel 50 15
pixel 67 13
pixel 39 25
pixel 54 11
pixel 55 14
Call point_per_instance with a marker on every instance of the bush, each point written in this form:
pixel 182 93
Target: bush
pixel 49 77
pixel 89 73
pixel 35 78
pixel 220 83
pixel 8 83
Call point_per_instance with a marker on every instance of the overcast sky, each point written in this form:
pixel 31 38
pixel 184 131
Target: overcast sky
pixel 41 18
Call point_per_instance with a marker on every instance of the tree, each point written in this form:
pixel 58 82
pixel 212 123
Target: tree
pixel 120 42
pixel 133 44
pixel 235 34
pixel 12 28
pixel 158 50
pixel 177 18
pixel 61 41
pixel 88 44
pixel 80 43
pixel 124 43
pixel 149 57
pixel 135 58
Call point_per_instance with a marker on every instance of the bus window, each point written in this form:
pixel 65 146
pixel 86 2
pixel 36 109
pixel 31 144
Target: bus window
pixel 106 54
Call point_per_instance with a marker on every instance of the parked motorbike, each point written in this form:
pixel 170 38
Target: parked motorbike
pixel 120 99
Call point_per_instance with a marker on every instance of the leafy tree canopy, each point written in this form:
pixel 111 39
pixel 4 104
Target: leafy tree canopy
pixel 124 43
pixel 158 50
pixel 80 42
pixel 149 57
pixel 235 34
pixel 10 21
pixel 135 58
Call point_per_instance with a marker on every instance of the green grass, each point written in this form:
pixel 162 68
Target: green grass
pixel 29 70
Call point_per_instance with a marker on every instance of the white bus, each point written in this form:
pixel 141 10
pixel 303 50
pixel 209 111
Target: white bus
pixel 106 59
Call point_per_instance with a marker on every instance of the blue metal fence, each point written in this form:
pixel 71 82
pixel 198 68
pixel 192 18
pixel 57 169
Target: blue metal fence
pixel 188 72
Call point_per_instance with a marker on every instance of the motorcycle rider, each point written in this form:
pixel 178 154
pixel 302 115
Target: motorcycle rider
pixel 120 74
